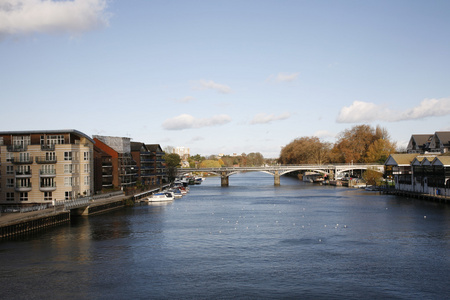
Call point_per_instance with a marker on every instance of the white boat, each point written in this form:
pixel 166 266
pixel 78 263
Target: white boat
pixel 161 197
pixel 176 193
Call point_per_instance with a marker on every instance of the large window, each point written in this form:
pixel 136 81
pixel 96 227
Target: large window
pixel 87 168
pixel 55 139
pixel 68 195
pixel 68 155
pixel 24 196
pixel 21 140
pixel 9 182
pixel 50 156
pixel 9 170
pixel 68 169
pixel 48 196
pixel 87 180
pixel 9 196
pixel 67 181
pixel 87 155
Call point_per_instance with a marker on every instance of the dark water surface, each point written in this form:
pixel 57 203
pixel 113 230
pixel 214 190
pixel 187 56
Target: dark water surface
pixel 251 240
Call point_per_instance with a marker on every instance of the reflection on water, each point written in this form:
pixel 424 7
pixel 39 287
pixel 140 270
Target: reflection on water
pixel 249 240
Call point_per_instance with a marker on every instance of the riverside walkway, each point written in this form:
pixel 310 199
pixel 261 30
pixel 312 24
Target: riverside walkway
pixel 331 170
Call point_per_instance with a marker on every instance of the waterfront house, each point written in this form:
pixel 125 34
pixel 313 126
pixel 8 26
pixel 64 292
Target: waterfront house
pixel 39 167
pixel 423 174
pixel 439 142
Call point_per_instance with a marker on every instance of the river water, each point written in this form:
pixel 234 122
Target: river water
pixel 251 240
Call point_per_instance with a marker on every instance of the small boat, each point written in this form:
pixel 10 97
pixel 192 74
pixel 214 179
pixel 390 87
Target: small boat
pixel 161 197
pixel 177 193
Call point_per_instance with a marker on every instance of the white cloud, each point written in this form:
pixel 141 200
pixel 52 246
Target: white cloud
pixel 368 112
pixel 47 16
pixel 221 88
pixel 283 77
pixel 186 121
pixel 324 134
pixel 265 118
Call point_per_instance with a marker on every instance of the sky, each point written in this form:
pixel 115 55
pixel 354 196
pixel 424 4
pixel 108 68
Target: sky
pixel 224 77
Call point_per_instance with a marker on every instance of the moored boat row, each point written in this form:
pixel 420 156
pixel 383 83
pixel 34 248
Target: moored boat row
pixel 171 194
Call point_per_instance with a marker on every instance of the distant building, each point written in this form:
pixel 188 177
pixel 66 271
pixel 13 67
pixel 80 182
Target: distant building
pixel 439 142
pixel 39 167
pixel 182 152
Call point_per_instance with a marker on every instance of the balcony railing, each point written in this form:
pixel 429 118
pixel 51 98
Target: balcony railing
pixel 16 148
pixel 22 161
pixel 50 187
pixel 23 187
pixel 23 174
pixel 47 173
pixel 48 147
pixel 45 160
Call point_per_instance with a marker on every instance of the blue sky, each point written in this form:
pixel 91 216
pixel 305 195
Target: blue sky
pixel 225 76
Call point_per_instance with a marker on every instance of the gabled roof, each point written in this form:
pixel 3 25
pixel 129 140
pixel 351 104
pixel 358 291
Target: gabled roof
pixel 154 147
pixel 444 137
pixel 441 161
pixel 400 159
pixel 420 141
pixel 137 146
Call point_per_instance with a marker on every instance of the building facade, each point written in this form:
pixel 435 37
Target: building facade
pixel 114 161
pixel 439 142
pixel 40 167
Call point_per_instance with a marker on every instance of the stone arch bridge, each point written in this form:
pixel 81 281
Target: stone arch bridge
pixel 332 170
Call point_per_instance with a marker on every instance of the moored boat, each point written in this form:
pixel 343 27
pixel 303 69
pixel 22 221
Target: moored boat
pixel 161 197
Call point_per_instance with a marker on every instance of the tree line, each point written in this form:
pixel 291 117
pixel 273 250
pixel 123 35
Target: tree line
pixel 359 144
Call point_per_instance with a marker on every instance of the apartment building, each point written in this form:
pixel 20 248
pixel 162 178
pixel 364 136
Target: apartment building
pixel 38 167
pixel 113 160
pixel 439 142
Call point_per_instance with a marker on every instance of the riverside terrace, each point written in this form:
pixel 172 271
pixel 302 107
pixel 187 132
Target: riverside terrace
pixel 331 170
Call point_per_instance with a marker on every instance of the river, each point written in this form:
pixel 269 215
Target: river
pixel 251 240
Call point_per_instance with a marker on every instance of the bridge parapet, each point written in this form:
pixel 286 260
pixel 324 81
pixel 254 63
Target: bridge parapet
pixel 278 170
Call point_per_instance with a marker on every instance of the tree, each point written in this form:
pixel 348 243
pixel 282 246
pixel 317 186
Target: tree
pixel 372 177
pixel 173 161
pixel 305 150
pixel 209 163
pixel 362 144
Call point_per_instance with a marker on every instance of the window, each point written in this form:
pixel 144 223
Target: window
pixel 67 169
pixel 24 157
pixel 21 140
pixel 47 182
pixel 67 181
pixel 50 156
pixel 87 180
pixel 48 196
pixel 23 196
pixel 87 168
pixel 1 141
pixel 9 182
pixel 68 195
pixel 87 156
pixel 55 139
pixel 9 156
pixel 24 170
pixel 48 169
pixel 9 170
pixel 68 155
pixel 10 197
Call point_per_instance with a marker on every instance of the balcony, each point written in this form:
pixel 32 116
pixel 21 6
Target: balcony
pixel 48 147
pixel 16 148
pixel 22 161
pixel 45 160
pixel 50 187
pixel 47 173
pixel 23 187
pixel 24 174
